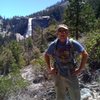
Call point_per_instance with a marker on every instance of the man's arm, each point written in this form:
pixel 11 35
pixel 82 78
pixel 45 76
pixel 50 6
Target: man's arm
pixel 84 59
pixel 51 70
pixel 84 55
pixel 47 59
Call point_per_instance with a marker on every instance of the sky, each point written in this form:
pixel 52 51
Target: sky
pixel 10 8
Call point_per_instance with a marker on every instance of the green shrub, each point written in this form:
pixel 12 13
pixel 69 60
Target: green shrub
pixel 93 48
pixel 11 84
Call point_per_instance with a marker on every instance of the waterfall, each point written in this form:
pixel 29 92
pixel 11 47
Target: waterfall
pixel 40 19
pixel 29 29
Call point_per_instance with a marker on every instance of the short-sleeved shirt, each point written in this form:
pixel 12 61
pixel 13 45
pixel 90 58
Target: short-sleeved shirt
pixel 65 46
pixel 63 52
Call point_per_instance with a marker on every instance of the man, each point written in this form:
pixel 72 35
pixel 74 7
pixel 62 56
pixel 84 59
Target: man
pixel 64 70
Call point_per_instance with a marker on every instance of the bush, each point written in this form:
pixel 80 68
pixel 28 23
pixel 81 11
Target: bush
pixel 93 48
pixel 11 84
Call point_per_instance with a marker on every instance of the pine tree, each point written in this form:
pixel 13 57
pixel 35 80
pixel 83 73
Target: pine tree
pixel 79 17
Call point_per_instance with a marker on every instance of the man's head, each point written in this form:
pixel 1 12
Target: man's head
pixel 62 32
pixel 62 26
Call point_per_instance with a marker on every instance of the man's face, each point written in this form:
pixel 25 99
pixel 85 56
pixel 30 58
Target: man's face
pixel 62 34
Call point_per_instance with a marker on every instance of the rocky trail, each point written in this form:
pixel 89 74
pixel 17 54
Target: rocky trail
pixel 40 88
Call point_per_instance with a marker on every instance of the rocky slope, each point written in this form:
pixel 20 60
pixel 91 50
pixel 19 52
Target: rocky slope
pixel 41 88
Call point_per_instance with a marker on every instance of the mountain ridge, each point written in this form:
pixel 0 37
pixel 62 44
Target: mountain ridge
pixel 19 24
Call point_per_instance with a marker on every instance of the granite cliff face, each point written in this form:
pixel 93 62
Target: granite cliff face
pixel 42 19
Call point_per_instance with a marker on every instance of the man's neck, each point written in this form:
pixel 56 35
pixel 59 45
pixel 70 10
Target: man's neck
pixel 64 42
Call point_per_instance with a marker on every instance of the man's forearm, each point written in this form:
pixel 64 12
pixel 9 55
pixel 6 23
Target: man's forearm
pixel 84 60
pixel 47 59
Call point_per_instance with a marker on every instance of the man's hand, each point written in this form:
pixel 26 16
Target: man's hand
pixel 52 70
pixel 84 55
pixel 76 71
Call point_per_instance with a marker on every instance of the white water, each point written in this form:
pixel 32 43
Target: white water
pixel 29 30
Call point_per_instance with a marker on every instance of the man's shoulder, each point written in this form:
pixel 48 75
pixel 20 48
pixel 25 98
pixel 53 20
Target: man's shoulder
pixel 74 42
pixel 51 47
pixel 53 42
pixel 77 45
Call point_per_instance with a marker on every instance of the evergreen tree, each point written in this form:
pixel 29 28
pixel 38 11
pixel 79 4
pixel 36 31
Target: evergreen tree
pixel 7 60
pixel 79 17
pixel 16 51
pixel 96 7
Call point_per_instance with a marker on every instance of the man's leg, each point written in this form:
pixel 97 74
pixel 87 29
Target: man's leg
pixel 60 88
pixel 73 88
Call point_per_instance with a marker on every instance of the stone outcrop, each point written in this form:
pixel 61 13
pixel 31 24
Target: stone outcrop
pixel 41 88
